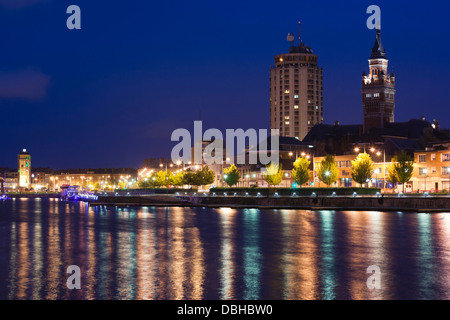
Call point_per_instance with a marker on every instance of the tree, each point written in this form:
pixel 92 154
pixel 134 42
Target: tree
pixel 97 186
pixel 274 174
pixel 328 171
pixel 205 176
pixel 392 174
pixel 201 177
pixel 301 172
pixel 231 175
pixel 362 168
pixel 404 166
pixel 177 179
pixel 163 178
pixel 189 177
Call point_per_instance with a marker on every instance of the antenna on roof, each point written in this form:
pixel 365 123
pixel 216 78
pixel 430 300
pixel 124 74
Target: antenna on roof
pixel 299 33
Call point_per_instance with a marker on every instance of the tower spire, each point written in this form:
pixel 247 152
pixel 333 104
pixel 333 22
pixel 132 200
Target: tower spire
pixel 378 50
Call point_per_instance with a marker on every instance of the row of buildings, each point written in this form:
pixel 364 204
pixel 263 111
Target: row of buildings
pixel 25 178
pixel 431 170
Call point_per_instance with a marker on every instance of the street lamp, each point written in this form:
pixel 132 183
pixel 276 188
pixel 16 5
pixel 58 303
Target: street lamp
pixel 448 171
pixel 224 176
pixel 425 171
pixel 378 153
pixel 327 174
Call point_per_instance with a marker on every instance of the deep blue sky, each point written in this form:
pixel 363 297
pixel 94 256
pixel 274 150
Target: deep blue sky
pixel 110 94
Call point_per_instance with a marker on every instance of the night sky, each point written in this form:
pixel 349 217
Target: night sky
pixel 111 94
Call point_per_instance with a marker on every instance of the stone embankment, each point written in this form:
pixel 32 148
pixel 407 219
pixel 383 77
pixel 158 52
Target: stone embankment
pixel 386 203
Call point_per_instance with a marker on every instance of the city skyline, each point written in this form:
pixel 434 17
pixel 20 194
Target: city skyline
pixel 92 99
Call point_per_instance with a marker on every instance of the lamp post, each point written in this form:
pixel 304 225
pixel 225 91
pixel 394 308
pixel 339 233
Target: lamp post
pixel 224 176
pixel 425 171
pixel 448 171
pixel 327 174
pixel 384 166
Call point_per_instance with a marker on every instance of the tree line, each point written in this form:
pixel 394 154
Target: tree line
pixel 162 178
pixel 399 171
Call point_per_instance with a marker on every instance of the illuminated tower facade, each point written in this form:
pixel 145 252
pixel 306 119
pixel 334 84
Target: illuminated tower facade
pixel 24 169
pixel 296 101
pixel 378 89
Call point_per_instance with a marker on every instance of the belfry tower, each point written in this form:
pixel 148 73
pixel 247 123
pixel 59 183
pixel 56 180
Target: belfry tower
pixel 378 89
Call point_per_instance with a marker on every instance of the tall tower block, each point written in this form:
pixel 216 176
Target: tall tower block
pixel 378 89
pixel 296 101
pixel 24 169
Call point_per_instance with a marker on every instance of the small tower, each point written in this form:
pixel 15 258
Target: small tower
pixel 24 169
pixel 378 89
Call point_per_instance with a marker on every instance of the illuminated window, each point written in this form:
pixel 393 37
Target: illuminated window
pixel 296 96
pixel 286 118
pixel 368 95
pixel 287 122
pixel 422 171
pixel 376 95
pixel 287 91
pixel 445 157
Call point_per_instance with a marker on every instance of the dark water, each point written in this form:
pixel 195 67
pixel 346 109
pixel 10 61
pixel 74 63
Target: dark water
pixel 183 253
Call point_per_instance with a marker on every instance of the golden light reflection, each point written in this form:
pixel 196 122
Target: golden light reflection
pixel 54 258
pixel 146 256
pixel 375 242
pixel 227 273
pixel 357 223
pixel 442 225
pixel 178 259
pixel 300 258
pixel 38 257
pixel 92 260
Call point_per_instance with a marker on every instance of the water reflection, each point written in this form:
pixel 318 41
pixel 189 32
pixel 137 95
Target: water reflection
pixel 195 253
pixel 227 271
pixel 328 255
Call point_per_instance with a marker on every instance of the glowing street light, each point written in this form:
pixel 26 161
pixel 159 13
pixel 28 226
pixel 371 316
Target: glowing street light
pixel 327 174
pixel 425 172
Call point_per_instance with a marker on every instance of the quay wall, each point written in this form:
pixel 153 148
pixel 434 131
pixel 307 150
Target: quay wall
pixel 415 204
